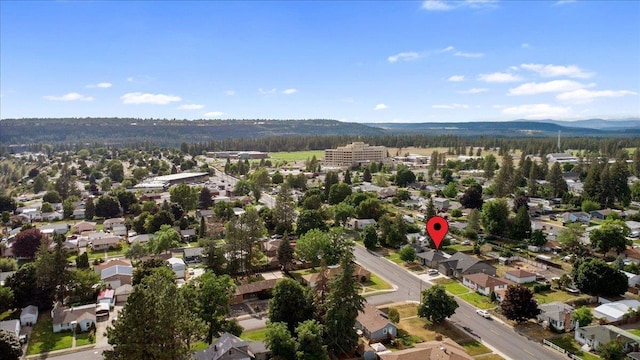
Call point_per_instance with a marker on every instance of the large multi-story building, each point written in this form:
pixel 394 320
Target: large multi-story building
pixel 355 153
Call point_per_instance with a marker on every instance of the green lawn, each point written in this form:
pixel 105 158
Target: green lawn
pixel 297 155
pixel 10 315
pixel 43 339
pixel 83 339
pixel 255 335
pixel 635 331
pixel 457 247
pixel 395 257
pixel 376 283
pixel 477 300
pixel 554 295
pixel 200 345
pixel 474 347
pixel 111 253
pixel 566 342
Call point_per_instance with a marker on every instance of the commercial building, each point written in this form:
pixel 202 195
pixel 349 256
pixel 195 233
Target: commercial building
pixel 355 153
pixel 166 181
pixel 237 155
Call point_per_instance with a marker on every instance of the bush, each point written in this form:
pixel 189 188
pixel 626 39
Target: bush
pixel 456 213
pixel 538 288
pixel 394 315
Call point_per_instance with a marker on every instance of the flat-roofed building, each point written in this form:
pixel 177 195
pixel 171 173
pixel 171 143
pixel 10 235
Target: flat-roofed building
pixel 237 154
pixel 355 153
pixel 166 181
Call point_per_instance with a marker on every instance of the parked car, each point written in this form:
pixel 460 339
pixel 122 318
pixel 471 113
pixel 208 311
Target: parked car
pixel 484 313
pixel 432 272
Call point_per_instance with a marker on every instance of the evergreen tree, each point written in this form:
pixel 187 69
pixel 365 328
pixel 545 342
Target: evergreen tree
pixel 290 304
pixel 619 175
pixel 557 182
pixel 504 181
pixel 347 177
pixel 284 211
pixel 490 163
pixel 280 342
pixel 431 209
pixel 310 344
pixel 521 225
pixel 343 305
pixel 89 209
pixel 285 253
pixel 330 179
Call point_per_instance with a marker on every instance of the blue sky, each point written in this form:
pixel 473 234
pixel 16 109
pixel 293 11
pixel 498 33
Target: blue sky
pixel 355 61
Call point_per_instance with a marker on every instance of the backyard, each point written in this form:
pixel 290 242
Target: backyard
pixel 43 339
pixel 566 342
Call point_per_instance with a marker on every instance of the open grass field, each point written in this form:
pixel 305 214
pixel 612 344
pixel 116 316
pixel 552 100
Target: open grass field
pixel 453 287
pixel 43 339
pixel 554 295
pixel 297 155
pixel 255 335
pixel 407 311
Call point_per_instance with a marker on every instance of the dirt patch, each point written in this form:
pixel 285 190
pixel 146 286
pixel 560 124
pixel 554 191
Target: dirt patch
pixel 534 331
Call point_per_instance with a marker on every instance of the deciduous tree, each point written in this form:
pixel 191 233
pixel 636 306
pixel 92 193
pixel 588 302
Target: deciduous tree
pixel 611 235
pixel 310 342
pixel 26 243
pixel 436 305
pixel 596 277
pixel 583 316
pixel 290 304
pixel 495 216
pixel 279 340
pixel 519 304
pixel 10 346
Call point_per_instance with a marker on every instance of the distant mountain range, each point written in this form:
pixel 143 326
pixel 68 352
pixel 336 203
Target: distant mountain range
pixel 172 132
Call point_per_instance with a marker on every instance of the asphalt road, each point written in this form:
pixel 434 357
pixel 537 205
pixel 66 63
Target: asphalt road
pixel 492 332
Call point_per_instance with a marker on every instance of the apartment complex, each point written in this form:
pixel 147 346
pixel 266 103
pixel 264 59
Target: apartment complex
pixel 354 154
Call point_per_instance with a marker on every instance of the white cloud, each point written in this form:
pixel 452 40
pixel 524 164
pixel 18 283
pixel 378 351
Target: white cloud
pixel 586 96
pixel 102 85
pixel 190 107
pixel 447 49
pixel 69 97
pixel 213 114
pixel 499 77
pixel 380 107
pixel 130 79
pixel 450 106
pixel 537 111
pixel 533 88
pixel 525 45
pixel 456 78
pixel 551 70
pixel 146 98
pixel 403 56
pixel 290 91
pixel 267 92
pixel 474 91
pixel 468 55
pixel 230 92
pixel 436 5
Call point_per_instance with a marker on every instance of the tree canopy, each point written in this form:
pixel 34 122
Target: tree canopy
pixel 436 305
pixel 519 304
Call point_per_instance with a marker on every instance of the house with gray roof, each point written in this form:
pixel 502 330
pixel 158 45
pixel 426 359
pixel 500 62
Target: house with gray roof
pixel 557 315
pixel 460 264
pixel 231 347
pixel 596 335
pixel 117 275
pixel 67 318
pixel 430 258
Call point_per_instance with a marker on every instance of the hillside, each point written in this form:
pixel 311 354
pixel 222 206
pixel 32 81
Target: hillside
pixel 165 132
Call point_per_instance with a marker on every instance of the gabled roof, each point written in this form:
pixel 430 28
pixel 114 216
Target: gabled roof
pixel 460 261
pixel 519 273
pixel 221 346
pixel 255 287
pixel 110 263
pixel 29 310
pixel 606 333
pixel 116 270
pixel 371 319
pixel 555 310
pixel 446 349
pixel 175 261
pixel 485 280
pixel 431 255
pixel 67 315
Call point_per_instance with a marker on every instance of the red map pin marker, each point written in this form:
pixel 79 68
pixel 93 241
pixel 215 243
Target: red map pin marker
pixel 437 228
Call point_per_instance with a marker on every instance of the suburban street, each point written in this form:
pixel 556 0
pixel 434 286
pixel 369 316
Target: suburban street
pixel 492 332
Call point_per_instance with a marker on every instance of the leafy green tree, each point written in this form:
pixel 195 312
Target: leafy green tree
pixel 52 197
pixel 538 238
pixel 105 184
pixel 46 207
pixel 370 208
pixel 370 237
pixel 8 264
pixel 519 304
pixel 26 290
pixel 436 305
pixel 107 207
pixel 613 350
pixel 404 177
pixel 280 342
pixel 10 346
pixel 242 188
pixel 6 298
pixel 153 223
pixel 407 254
pixel 343 305
pixel 243 233
pixel 170 327
pixel 589 206
pixel 611 235
pixel 310 342
pixel 51 267
pixel 223 211
pixel 312 245
pixel 472 198
pixel 116 171
pixel 277 178
pixel 184 195
pixel 82 286
pixel 450 190
pixel 521 225
pixel 342 212
pixel 89 209
pixel 214 256
pixel 583 316
pixel 214 293
pixel 596 277
pixel 330 179
pixel 166 238
pixel 290 304
pixel 309 220
pixel 338 193
pixel 125 198
pixel 394 315
pixel 39 183
pixel 495 217
pixel 136 251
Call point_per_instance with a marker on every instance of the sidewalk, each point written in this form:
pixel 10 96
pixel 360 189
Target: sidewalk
pixel 71 350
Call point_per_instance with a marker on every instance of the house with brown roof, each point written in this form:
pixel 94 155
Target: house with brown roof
pixel 84 226
pixel 520 276
pixel 110 223
pixel 67 318
pixel 445 349
pixel 253 290
pixel 374 326
pixel 485 284
pixel 105 243
pixel 360 274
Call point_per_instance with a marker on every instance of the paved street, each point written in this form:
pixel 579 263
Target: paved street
pixel 492 332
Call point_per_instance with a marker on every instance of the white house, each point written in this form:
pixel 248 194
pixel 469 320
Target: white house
pixel 29 315
pixel 359 224
pixel 68 318
pixel 596 335
pixel 634 279
pixel 178 266
pixel 615 311
pixel 441 203
pixel 12 326
pixel 557 315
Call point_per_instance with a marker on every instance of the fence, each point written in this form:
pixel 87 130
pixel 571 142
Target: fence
pixel 559 349
pixel 530 262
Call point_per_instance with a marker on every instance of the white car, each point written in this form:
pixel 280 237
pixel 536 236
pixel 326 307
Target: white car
pixel 484 313
pixel 432 272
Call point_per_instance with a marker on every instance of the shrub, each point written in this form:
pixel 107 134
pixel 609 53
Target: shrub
pixel 394 315
pixel 538 288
